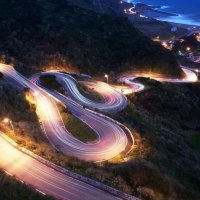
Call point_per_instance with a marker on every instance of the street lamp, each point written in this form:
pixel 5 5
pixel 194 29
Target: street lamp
pixel 7 120
pixel 188 48
pixel 106 76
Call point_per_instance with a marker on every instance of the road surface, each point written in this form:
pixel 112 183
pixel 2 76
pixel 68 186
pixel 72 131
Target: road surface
pixel 114 101
pixel 46 179
pixel 190 77
pixel 112 139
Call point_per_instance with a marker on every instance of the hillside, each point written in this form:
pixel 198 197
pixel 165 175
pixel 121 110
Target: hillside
pixel 111 6
pixel 167 118
pixel 189 41
pixel 24 120
pixel 164 119
pixel 36 34
pixel 15 107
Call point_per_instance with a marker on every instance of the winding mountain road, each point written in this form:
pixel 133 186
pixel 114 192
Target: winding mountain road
pixel 190 77
pixel 114 101
pixel 111 141
pixel 46 179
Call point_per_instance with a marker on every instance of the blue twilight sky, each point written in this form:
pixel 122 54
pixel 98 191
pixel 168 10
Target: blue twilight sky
pixel 188 10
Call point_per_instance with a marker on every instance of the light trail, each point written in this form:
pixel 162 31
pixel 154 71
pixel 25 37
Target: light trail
pixel 112 139
pixel 114 101
pixel 44 179
pixel 190 77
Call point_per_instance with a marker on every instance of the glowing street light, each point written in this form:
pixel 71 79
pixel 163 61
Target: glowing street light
pixel 106 76
pixel 179 53
pixel 6 121
pixel 188 48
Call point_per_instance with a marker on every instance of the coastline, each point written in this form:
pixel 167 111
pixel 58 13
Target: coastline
pixel 157 14
pixel 152 12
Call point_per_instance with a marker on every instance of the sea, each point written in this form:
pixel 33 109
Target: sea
pixel 188 11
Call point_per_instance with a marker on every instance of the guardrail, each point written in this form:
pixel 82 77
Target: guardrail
pixel 79 177
pixel 118 123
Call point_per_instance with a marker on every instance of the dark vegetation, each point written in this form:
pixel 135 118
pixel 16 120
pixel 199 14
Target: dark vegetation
pixel 111 6
pixel 167 116
pixel 89 92
pixel 29 135
pixel 76 127
pixel 49 81
pixel 11 189
pixel 15 107
pixel 157 28
pixel 187 62
pixel 188 41
pixel 196 142
pixel 35 34
pixel 164 163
